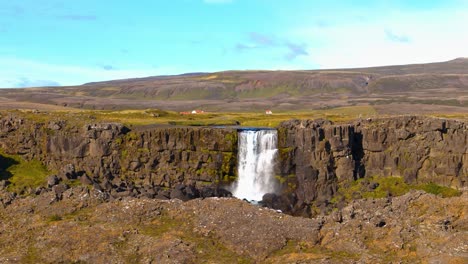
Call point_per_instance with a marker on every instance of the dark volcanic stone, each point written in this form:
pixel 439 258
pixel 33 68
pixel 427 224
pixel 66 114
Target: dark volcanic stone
pixel 372 186
pixel 179 194
pixel 59 189
pixel 161 197
pixel 106 184
pixel 52 180
pixel 97 187
pixel 68 172
pixel 278 202
pixel 207 192
pixel 221 192
pixel 192 192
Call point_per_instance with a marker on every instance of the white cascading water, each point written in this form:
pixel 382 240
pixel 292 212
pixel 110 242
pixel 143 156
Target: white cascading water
pixel 256 161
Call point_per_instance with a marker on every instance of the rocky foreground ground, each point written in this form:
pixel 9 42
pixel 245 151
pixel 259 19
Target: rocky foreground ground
pixel 83 227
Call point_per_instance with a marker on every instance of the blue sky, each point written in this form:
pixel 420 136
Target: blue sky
pixel 65 42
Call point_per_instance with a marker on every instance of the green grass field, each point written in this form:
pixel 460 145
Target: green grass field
pixel 76 117
pixel 154 116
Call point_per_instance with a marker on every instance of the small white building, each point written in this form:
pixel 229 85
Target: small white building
pixel 268 112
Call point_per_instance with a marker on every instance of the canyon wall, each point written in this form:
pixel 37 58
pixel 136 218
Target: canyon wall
pixel 110 154
pixel 317 157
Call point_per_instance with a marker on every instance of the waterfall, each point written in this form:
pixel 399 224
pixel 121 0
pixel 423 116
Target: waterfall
pixel 256 161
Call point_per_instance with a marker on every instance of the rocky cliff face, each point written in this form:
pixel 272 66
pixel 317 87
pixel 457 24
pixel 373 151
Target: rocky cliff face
pixel 112 155
pixel 318 157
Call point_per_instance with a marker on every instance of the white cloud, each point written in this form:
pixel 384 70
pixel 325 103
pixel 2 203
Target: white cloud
pixel 429 37
pixel 15 71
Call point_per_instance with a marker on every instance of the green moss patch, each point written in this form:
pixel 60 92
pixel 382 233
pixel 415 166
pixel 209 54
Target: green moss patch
pixel 22 174
pixel 389 186
pixel 439 190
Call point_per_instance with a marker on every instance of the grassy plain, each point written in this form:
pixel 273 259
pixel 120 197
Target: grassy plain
pixel 159 117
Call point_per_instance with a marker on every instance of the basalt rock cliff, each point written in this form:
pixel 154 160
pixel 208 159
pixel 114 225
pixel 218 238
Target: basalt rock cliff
pixel 316 158
pixel 123 162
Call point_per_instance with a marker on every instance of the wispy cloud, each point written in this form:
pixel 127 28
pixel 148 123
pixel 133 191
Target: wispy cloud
pixel 262 39
pixel 242 47
pixel 296 50
pixel 46 74
pixel 395 37
pixel 77 17
pixel 109 67
pixel 258 40
pixel 26 82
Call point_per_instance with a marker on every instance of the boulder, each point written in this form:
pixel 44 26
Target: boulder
pixel 59 189
pixel 52 180
pixel 278 202
pixel 68 172
pixel 179 194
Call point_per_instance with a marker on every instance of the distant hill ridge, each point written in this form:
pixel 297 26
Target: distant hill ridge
pixel 443 83
pixel 267 84
pixel 455 66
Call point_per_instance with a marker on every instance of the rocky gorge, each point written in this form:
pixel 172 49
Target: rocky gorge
pixel 123 194
pixel 316 157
